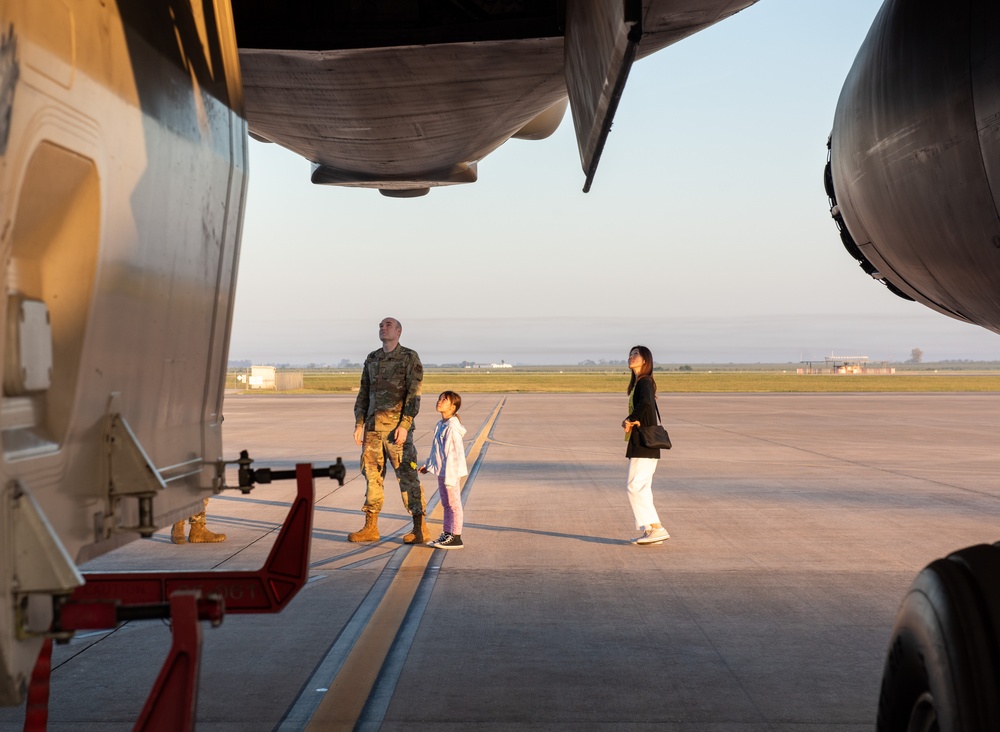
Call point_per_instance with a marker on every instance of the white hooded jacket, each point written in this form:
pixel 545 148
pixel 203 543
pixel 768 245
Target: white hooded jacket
pixel 447 456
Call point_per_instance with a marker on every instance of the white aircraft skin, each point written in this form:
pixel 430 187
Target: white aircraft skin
pixel 122 182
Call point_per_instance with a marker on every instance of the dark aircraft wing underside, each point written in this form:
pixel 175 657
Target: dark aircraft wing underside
pixel 410 95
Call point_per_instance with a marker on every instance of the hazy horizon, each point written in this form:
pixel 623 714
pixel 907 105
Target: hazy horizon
pixel 786 338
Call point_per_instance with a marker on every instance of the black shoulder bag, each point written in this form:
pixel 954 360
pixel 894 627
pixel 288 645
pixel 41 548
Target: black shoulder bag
pixel 654 436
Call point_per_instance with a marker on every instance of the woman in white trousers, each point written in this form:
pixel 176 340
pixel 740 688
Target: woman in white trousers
pixel 642 460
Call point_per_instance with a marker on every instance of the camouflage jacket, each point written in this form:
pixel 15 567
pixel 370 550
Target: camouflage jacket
pixel 389 396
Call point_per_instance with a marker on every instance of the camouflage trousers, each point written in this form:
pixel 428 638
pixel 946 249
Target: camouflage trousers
pixel 379 451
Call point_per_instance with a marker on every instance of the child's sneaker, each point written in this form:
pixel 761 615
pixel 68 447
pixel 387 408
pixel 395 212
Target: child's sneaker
pixel 444 535
pixel 449 541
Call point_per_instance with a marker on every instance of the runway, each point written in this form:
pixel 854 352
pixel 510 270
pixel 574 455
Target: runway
pixel 797 523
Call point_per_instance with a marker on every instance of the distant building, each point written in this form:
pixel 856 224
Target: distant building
pixel 261 377
pixel 268 377
pixel 845 365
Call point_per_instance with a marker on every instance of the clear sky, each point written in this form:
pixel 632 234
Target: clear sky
pixel 712 172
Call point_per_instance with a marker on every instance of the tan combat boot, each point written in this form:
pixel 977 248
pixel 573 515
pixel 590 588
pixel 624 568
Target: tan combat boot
pixel 419 533
pixel 369 532
pixel 201 535
pixel 177 533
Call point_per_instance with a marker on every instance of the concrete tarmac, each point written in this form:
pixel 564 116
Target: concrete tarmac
pixel 797 524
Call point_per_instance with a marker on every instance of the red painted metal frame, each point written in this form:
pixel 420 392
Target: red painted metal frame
pixel 36 715
pixel 171 704
pixel 267 590
pixel 192 596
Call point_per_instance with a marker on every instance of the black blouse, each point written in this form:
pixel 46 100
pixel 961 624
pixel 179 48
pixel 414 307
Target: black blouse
pixel 644 412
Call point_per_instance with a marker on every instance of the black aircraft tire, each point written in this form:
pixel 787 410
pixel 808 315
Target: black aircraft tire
pixel 944 657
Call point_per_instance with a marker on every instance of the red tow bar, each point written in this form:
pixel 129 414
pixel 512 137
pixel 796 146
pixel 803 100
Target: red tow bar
pixel 108 599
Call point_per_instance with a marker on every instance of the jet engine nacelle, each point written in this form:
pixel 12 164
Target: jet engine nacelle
pixel 914 172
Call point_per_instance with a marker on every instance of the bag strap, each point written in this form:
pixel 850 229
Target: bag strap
pixel 659 420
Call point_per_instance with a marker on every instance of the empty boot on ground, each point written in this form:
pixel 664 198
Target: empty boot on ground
pixel 177 533
pixel 200 534
pixel 369 532
pixel 419 533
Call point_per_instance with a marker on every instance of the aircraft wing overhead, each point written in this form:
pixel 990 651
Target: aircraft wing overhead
pixel 664 22
pixel 400 117
pixel 404 96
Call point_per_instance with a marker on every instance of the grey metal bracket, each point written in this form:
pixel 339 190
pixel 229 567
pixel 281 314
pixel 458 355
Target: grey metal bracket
pixel 42 568
pixel 131 474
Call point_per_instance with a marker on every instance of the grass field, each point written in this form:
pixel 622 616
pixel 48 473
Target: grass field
pixel 580 381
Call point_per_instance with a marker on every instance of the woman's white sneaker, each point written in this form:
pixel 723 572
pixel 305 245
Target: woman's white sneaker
pixel 652 536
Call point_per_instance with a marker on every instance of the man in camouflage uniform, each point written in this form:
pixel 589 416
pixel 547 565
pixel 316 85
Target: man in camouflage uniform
pixel 388 401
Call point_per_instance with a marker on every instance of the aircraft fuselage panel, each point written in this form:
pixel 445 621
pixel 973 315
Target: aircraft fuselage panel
pixel 122 177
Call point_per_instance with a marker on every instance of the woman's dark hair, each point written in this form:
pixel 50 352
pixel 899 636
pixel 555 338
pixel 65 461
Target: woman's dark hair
pixel 646 370
pixel 453 397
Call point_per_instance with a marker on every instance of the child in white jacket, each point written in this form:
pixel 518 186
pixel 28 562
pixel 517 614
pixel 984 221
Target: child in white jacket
pixel 447 462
